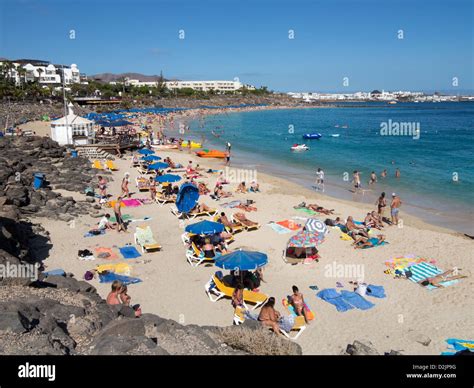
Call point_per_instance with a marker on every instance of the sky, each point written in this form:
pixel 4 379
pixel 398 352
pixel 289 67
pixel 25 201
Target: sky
pixel 286 45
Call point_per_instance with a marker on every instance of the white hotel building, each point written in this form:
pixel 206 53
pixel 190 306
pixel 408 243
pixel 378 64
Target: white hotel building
pixel 205 86
pixel 44 72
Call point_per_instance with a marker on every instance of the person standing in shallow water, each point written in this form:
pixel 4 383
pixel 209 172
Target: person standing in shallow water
pixel 397 173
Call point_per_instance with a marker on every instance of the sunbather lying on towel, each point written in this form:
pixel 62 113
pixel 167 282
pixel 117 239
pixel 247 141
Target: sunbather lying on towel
pixel 269 316
pixel 316 208
pixel 363 242
pixel 353 230
pixel 247 208
pixel 447 276
pixel 244 220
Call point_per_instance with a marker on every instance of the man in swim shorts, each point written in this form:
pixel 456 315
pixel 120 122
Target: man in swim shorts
pixel 395 208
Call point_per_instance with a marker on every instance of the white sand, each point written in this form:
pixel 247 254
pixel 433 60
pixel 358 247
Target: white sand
pixel 173 289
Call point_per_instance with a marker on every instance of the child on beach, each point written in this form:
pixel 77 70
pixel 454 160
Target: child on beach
pixel 102 186
pixel 125 182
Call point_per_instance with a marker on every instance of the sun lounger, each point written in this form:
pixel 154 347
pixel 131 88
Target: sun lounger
pixel 299 326
pixel 144 238
pixel 216 289
pixel 196 257
pixel 142 184
pixel 97 164
pixel 192 215
pixel 111 165
pixel 240 314
pixel 162 200
pixel 248 228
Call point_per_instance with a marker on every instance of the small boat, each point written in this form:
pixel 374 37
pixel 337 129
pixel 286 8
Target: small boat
pixel 336 126
pixel 299 147
pixel 164 146
pixel 193 144
pixel 312 136
pixel 344 126
pixel 392 102
pixel 335 135
pixel 211 154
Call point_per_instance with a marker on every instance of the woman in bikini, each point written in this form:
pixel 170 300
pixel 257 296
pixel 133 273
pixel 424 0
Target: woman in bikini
pixel 102 186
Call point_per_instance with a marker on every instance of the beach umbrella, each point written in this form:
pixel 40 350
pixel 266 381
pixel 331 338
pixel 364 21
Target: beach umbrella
pixel 242 260
pixel 158 166
pixel 205 227
pixel 305 239
pixel 168 178
pixel 145 151
pixel 187 197
pixel 315 225
pixel 150 158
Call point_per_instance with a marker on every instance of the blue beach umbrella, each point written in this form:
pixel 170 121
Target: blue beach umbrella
pixel 145 151
pixel 168 178
pixel 187 197
pixel 150 158
pixel 158 166
pixel 242 260
pixel 205 227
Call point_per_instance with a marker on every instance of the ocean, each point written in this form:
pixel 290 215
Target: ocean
pixel 433 149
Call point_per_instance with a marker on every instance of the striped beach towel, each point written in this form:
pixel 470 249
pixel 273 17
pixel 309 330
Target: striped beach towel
pixel 422 271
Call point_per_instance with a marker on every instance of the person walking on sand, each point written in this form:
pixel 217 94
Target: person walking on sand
pixel 395 208
pixel 320 180
pixel 227 158
pixel 118 215
pixel 397 173
pixel 102 186
pixel 125 182
pixel 381 204
pixel 152 188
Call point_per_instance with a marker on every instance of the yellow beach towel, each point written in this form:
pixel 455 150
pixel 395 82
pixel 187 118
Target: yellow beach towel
pixel 345 237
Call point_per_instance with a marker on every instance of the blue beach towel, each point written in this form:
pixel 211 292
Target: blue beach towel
pixel 109 277
pixel 129 252
pixel 89 234
pixel 375 291
pixel 59 272
pixel 356 300
pixel 458 345
pixel 374 241
pixel 331 296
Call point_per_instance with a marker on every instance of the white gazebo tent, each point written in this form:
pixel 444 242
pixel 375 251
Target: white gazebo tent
pixel 71 129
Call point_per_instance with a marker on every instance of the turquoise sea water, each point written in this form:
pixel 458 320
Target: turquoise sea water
pixel 437 170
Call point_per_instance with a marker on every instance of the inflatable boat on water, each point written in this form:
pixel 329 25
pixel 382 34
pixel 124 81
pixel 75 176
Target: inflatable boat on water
pixel 211 154
pixel 299 147
pixel 312 136
pixel 193 144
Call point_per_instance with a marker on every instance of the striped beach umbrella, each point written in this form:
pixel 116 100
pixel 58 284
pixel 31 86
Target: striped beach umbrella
pixel 315 225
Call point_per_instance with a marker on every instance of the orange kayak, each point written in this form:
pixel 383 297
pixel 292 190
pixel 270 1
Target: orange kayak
pixel 211 154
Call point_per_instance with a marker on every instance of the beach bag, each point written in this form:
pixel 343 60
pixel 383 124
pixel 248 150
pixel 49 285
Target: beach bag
pixel 286 323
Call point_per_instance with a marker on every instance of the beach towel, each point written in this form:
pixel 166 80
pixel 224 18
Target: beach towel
pixel 125 217
pixel 105 253
pixel 109 277
pixel 291 309
pixel 129 252
pixel 288 224
pixel 132 202
pixel 356 300
pixel 345 237
pixel 331 296
pixel 458 345
pixel 119 268
pixel 286 323
pixel 89 234
pixel 404 261
pixel 56 272
pixel 231 204
pixel 443 284
pixel 278 228
pixel 375 242
pixel 375 291
pixel 307 211
pixel 422 271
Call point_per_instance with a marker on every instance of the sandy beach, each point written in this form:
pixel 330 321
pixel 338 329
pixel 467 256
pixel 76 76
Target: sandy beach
pixel 173 289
